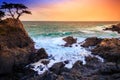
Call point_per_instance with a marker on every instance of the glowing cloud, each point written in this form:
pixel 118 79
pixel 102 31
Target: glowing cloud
pixel 73 10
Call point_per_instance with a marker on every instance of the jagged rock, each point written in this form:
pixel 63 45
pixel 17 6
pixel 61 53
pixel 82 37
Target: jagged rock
pixel 94 69
pixel 40 54
pixel 45 76
pixel 93 63
pixel 70 76
pixel 109 49
pixel 110 68
pixel 69 41
pixel 91 67
pixel 57 67
pixel 60 78
pixel 92 41
pixel 114 28
pixel 22 73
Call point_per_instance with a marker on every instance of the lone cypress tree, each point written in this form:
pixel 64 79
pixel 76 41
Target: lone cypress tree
pixel 21 9
pixel 15 10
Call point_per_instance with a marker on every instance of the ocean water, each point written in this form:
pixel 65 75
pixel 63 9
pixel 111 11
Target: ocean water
pixel 49 35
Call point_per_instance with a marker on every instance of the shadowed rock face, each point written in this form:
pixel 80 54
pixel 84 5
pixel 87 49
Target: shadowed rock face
pixel 40 54
pixel 92 70
pixel 109 49
pixel 15 45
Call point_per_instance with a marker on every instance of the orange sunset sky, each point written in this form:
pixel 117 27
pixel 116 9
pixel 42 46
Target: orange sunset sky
pixel 74 10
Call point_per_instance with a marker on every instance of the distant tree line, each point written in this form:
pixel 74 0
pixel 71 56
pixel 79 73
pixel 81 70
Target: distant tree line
pixel 13 10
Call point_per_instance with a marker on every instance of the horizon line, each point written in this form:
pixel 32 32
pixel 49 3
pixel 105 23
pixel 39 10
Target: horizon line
pixel 68 21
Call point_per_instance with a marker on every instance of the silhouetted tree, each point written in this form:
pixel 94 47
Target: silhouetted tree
pixel 2 14
pixel 21 9
pixel 15 10
pixel 8 9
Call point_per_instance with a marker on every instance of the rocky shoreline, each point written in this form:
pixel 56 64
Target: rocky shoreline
pixel 115 28
pixel 17 52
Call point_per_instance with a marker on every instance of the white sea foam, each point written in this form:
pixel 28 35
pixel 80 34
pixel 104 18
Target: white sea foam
pixel 47 37
pixel 53 46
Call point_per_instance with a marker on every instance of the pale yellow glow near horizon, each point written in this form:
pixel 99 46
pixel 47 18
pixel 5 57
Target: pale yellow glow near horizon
pixel 76 10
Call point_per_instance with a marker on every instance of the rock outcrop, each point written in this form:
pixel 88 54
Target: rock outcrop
pixel 94 69
pixel 17 50
pixel 40 54
pixel 109 49
pixel 15 46
pixel 92 41
pixel 69 41
pixel 114 28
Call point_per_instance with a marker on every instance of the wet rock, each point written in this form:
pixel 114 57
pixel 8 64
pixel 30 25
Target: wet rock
pixel 77 65
pixel 69 41
pixel 70 76
pixel 94 69
pixel 109 49
pixel 60 78
pixel 23 73
pixel 45 76
pixel 92 41
pixel 91 67
pixel 116 76
pixel 114 28
pixel 93 63
pixel 57 67
pixel 109 69
pixel 40 54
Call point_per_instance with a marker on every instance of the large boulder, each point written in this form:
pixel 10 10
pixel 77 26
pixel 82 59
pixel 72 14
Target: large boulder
pixel 57 67
pixel 15 46
pixel 69 41
pixel 40 54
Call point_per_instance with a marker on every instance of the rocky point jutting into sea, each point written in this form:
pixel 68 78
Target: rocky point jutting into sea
pixel 17 54
pixel 15 47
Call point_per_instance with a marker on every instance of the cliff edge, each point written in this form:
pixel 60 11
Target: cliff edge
pixel 15 45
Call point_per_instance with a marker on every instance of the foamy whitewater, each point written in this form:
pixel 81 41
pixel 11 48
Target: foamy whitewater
pixel 49 35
